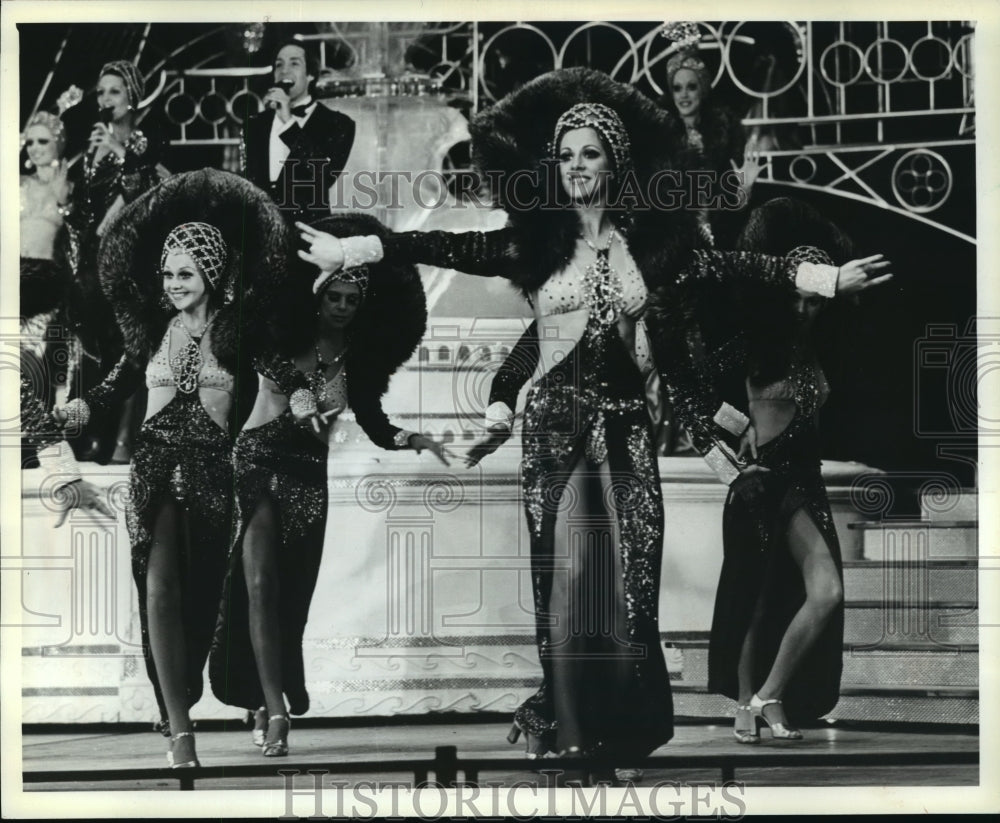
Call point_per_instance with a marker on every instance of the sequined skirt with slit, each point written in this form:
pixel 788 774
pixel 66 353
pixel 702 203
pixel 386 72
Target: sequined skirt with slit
pixel 285 465
pixel 757 565
pixel 181 456
pixel 586 423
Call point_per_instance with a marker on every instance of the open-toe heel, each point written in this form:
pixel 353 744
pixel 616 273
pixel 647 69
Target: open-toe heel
pixel 182 756
pixel 780 730
pixel 276 743
pixel 745 725
pixel 259 719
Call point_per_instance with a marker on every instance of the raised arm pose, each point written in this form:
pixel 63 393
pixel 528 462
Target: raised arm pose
pixel 777 631
pixel 586 261
pixel 340 336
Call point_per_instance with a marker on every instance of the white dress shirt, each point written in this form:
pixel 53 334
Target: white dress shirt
pixel 278 151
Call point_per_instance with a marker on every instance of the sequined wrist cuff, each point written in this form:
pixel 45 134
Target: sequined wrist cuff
pixel 723 463
pixel 731 419
pixel 401 439
pixel 77 413
pixel 817 278
pixel 361 250
pixel 58 460
pixel 499 414
pixel 302 403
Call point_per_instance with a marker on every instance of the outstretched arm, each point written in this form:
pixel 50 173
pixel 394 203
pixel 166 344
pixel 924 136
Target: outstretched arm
pixel 485 253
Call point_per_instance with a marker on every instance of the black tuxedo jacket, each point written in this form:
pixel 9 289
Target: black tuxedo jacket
pixel 318 153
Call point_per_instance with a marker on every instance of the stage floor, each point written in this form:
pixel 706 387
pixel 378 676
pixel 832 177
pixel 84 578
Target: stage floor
pixel 323 745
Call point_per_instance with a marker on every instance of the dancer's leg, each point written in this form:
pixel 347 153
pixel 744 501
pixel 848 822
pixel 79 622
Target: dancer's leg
pixel 164 604
pixel 824 593
pixel 260 568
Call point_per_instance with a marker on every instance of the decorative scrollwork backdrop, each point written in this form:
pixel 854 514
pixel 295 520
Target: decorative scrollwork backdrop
pixel 878 112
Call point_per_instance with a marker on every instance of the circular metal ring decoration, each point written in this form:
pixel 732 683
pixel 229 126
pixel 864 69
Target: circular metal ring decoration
pixel 798 177
pixel 486 47
pixel 852 49
pixel 213 98
pixel 959 48
pixel 921 180
pixel 181 99
pixel 945 56
pixel 235 111
pixel 792 27
pixel 878 44
pixel 631 50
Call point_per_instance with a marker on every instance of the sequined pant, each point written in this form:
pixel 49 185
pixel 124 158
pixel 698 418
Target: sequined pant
pixel 758 566
pixel 285 464
pixel 595 556
pixel 181 454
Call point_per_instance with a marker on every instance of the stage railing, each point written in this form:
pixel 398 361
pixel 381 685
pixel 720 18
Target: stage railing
pixel 446 766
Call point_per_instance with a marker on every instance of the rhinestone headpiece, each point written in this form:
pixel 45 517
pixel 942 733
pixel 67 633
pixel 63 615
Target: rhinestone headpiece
pixel 357 276
pixel 204 243
pixel 605 121
pixel 684 33
pixel 688 60
pixel 128 72
pixel 53 124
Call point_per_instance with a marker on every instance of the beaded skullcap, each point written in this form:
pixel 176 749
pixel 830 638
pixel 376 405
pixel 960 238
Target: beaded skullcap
pixel 53 124
pixel 128 72
pixel 605 121
pixel 204 243
pixel 357 276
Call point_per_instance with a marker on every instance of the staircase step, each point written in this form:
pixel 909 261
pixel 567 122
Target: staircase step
pixel 888 625
pixel 960 505
pixel 885 668
pixel 941 580
pixel 918 539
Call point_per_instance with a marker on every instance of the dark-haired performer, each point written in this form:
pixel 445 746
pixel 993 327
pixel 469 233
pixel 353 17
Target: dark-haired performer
pixel 296 148
pixel 343 334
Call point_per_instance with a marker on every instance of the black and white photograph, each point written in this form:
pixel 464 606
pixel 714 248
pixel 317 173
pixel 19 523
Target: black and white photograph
pixel 469 410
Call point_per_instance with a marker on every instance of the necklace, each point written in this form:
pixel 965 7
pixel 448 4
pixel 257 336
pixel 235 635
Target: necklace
pixel 602 287
pixel 317 379
pixel 186 364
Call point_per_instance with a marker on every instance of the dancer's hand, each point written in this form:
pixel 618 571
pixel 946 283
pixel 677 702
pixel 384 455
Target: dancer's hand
pixel 748 443
pixel 326 252
pixel 419 442
pixel 494 438
pixel 103 135
pixel 320 420
pixel 80 495
pixel 750 484
pixel 752 166
pixel 636 308
pixel 857 275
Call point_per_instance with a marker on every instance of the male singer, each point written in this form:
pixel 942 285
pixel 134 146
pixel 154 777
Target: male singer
pixel 296 148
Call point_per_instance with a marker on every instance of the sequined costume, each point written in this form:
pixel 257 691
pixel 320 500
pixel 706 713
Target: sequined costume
pixel 197 385
pixel 284 463
pixel 757 567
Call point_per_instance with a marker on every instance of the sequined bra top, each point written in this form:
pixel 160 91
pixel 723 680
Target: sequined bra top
pixel 334 394
pixel 567 290
pixel 212 374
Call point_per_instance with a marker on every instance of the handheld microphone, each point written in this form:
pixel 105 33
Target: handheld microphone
pixel 286 87
pixel 105 115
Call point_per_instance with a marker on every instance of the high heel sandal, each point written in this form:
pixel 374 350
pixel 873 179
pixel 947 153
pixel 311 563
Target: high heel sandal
pixel 259 719
pixel 746 735
pixel 533 749
pixel 172 761
pixel 279 747
pixel 779 730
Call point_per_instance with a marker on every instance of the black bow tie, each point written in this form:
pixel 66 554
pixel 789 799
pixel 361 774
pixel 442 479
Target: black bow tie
pixel 300 111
